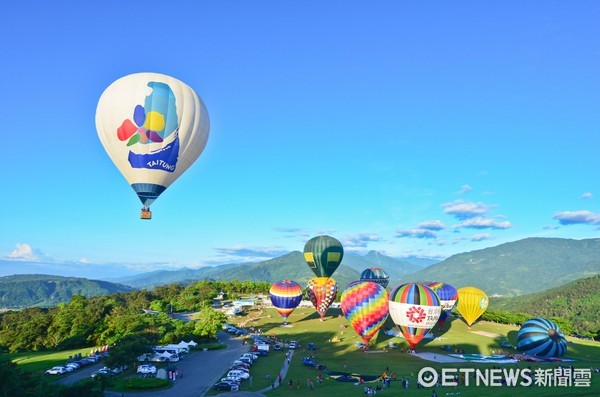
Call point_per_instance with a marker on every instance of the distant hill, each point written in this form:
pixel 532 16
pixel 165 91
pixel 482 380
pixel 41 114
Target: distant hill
pixel 291 265
pixel 396 268
pixel 27 290
pixel 520 267
pixel 578 302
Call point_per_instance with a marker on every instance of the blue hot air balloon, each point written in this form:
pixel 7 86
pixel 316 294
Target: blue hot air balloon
pixel 541 337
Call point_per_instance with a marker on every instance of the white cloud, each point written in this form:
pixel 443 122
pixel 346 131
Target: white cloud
pixel 24 252
pixel 586 195
pixel 465 189
pixel 252 252
pixel 416 233
pixel 481 237
pixel 431 225
pixel 462 209
pixel 84 260
pixel 578 217
pixel 484 223
pixel 361 240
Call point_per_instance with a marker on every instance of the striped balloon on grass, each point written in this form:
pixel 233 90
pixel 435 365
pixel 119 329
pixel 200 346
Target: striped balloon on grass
pixel 541 337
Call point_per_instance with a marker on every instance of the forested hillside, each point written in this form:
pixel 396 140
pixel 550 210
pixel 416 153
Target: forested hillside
pixel 577 302
pixel 29 290
pixel 520 267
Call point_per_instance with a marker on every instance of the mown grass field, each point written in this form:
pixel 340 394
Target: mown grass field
pixel 41 361
pixel 345 357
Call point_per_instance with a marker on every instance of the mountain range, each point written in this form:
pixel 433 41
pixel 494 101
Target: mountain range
pixel 290 266
pixel 516 268
pixel 521 267
pixel 27 290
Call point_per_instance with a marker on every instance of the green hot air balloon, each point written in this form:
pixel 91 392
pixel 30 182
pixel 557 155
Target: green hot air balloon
pixel 323 255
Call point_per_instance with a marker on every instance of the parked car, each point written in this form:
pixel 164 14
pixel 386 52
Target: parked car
pixel 223 386
pixel 239 374
pixel 146 369
pixel 246 360
pixel 293 345
pixel 234 379
pixel 56 371
pixel 252 356
pixel 103 372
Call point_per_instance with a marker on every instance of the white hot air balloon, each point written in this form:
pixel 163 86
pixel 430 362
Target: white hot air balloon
pixel 153 127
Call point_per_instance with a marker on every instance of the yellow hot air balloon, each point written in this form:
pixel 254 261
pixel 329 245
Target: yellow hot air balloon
pixel 472 303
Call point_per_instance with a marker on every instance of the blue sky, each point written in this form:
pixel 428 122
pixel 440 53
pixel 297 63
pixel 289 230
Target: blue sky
pixel 408 128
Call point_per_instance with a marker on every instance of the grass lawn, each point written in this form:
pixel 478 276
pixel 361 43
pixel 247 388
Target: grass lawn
pixel 345 357
pixel 41 361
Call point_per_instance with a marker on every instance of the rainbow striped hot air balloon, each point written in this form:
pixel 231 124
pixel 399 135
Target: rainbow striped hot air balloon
pixel 365 305
pixel 322 292
pixel 376 275
pixel 448 296
pixel 285 296
pixel 415 309
pixel 541 337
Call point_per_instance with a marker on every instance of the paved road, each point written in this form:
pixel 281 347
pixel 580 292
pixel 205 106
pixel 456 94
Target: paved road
pixel 80 374
pixel 201 370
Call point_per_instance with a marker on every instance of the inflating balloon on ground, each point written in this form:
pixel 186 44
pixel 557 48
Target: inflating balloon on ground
pixel 541 337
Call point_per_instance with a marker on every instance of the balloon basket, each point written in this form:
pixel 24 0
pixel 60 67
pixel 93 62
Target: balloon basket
pixel 146 214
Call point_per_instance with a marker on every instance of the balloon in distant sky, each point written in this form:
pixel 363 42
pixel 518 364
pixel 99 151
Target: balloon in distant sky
pixel 322 292
pixel 541 337
pixel 448 296
pixel 323 254
pixel 153 128
pixel 472 303
pixel 285 295
pixel 365 305
pixel 415 309
pixel 376 275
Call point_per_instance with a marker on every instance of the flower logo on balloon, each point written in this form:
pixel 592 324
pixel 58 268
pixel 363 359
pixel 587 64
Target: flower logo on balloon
pixel 148 127
pixel 415 314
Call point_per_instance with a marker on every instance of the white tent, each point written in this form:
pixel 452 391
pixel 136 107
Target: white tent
pixel 192 343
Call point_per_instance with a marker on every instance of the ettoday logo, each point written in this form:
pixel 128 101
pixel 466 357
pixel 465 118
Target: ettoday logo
pixel 496 377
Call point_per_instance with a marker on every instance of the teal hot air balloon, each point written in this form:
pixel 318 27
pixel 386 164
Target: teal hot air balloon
pixel 541 337
pixel 375 275
pixel 323 254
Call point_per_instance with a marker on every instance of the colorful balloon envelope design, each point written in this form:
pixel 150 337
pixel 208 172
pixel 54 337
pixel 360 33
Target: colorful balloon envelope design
pixel 323 254
pixel 448 296
pixel 472 303
pixel 376 275
pixel 366 307
pixel 541 337
pixel 285 295
pixel 415 309
pixel 153 128
pixel 322 292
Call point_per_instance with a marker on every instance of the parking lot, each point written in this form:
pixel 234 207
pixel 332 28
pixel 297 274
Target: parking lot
pixel 200 371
